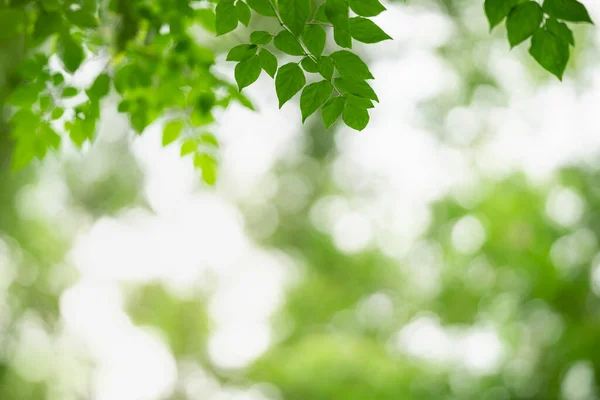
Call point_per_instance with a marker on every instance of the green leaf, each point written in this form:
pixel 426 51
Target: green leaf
pixel 568 10
pixel 294 14
pixel 13 22
pixel 100 87
pixel 350 65
pixel 560 30
pixel 325 65
pixel 243 12
pixel 51 5
pixel 332 110
pixel 260 37
pixel 366 8
pixel 208 165
pixel 320 14
pixel 355 117
pixel 497 10
pixel 226 17
pixel 314 96
pixel 550 52
pixel 314 39
pixel 82 18
pixel 287 43
pixel 69 92
pixel 290 79
pixel 247 72
pixel 263 7
pixel 207 19
pixel 268 62
pixel 337 13
pixel 58 79
pixel 171 132
pixel 355 87
pixel 47 24
pixel 523 21
pixel 309 65
pixel 241 52
pixel 71 53
pixel 358 101
pixel 57 113
pixel 188 146
pixel 209 139
pixel 366 31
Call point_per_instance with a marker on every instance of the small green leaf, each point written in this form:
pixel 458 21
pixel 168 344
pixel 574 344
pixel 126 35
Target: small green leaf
pixel 325 65
pixel 13 22
pixel 355 87
pixel 337 12
pixel 560 30
pixel 366 31
pixel 290 79
pixel 69 92
pixel 58 79
pixel 100 87
pixel 355 117
pixel 82 18
pixel 243 12
pixel 241 52
pixel 268 62
pixel 226 17
pixel 45 102
pixel 358 101
pixel 287 43
pixel 188 146
pixel 366 8
pixel 314 96
pixel 497 10
pixel 314 39
pixel 171 132
pixel 247 72
pixel 523 21
pixel 550 52
pixel 350 65
pixel 71 53
pixel 263 7
pixel 309 65
pixel 208 165
pixel 568 10
pixel 209 139
pixel 260 37
pixel 57 113
pixel 294 14
pixel 332 110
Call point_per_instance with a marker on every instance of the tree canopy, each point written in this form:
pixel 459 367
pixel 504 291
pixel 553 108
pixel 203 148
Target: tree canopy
pixel 152 59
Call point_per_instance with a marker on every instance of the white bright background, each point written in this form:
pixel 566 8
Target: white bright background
pixel 391 172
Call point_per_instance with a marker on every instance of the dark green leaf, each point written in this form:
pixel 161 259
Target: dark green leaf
pixel 290 79
pixel 247 72
pixel 366 31
pixel 13 22
pixel 262 7
pixel 286 42
pixel 314 96
pixel 366 8
pixel 314 39
pixel 497 10
pixel 69 92
pixel 82 18
pixel 260 37
pixel 51 5
pixel 100 87
pixel 523 21
pixel 568 10
pixel 243 12
pixel 337 13
pixel 332 110
pixel 550 52
pixel 355 117
pixel 226 17
pixel 309 65
pixel 560 30
pixel 294 14
pixel 350 65
pixel 355 87
pixel 325 65
pixel 71 53
pixel 171 132
pixel 268 62
pixel 241 52
pixel 47 24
